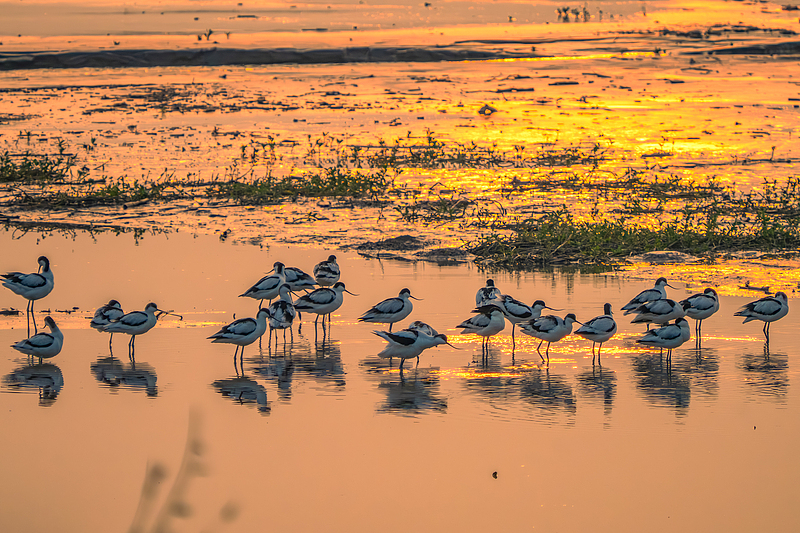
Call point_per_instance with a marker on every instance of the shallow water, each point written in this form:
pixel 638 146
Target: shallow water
pixel 322 435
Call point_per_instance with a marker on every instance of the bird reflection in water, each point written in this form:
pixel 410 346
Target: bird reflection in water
pixel 112 372
pixel 244 391
pixel 660 384
pixel 319 362
pixel 599 382
pixel 767 375
pixel 46 378
pixel 549 393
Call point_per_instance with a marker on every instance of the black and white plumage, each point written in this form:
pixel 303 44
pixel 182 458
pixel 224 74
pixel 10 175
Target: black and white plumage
pixel 487 294
pixel 767 309
pixel 282 313
pixel 42 345
pixel 242 332
pixel 518 312
pixel 390 310
pixel 658 292
pixel 32 287
pixel 599 330
pixel 489 322
pixel 135 323
pixel 297 279
pixel 550 328
pixel 326 273
pixel 323 301
pixel 668 336
pixel 106 314
pixel 423 327
pixel 408 343
pixel 658 312
pixel 267 287
pixel 701 306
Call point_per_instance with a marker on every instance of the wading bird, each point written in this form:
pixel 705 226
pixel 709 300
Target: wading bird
pixel 105 315
pixel 390 310
pixel 487 294
pixel 281 314
pixel 489 322
pixel 408 343
pixel 669 336
pixel 42 345
pixel 326 273
pixel 599 330
pixel 658 292
pixel 701 306
pixel 32 287
pixel 768 310
pixel 242 332
pixel 550 328
pixel 658 312
pixel 323 301
pixel 267 287
pixel 137 323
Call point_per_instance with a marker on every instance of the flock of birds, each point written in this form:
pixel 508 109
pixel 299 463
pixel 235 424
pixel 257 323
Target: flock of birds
pixel 325 294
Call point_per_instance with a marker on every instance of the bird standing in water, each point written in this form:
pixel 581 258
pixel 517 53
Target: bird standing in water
pixel 767 309
pixel 105 315
pixel 390 310
pixel 32 287
pixel 42 345
pixel 599 329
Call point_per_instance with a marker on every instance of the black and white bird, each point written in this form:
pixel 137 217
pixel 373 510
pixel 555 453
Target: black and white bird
pixel 487 294
pixel 32 287
pixel 767 309
pixel 42 345
pixel 550 328
pixel 423 327
pixel 488 322
pixel 136 323
pixel 599 330
pixel 658 312
pixel 658 292
pixel 267 287
pixel 408 343
pixel 282 314
pixel 105 315
pixel 701 306
pixel 242 332
pixel 668 337
pixel 297 279
pixel 390 310
pixel 518 312
pixel 326 273
pixel 323 301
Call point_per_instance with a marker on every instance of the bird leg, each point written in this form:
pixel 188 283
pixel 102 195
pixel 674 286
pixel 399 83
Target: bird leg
pixel 390 326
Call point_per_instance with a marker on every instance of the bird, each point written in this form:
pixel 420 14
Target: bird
pixel 517 312
pixel 281 313
pixel 297 279
pixel 390 310
pixel 656 293
pixel 490 321
pixel 550 328
pixel 42 345
pixel 242 332
pixel 668 336
pixel 323 301
pixel 768 309
pixel 105 315
pixel 408 343
pixel 423 327
pixel 658 312
pixel 599 329
pixel 32 287
pixel 487 294
pixel 267 287
pixel 136 323
pixel 701 306
pixel 326 273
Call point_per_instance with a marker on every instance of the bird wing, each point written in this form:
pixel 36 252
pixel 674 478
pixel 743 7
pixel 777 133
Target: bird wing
pixel 477 322
pixel 242 327
pixel 766 306
pixel 658 307
pixel 135 318
pixel 388 306
pixel 31 281
pixel 405 337
pixel 317 297
pixel 40 340
pixel 665 333
pixel 516 308
pixel 644 296
pixel 599 324
pixel 544 324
